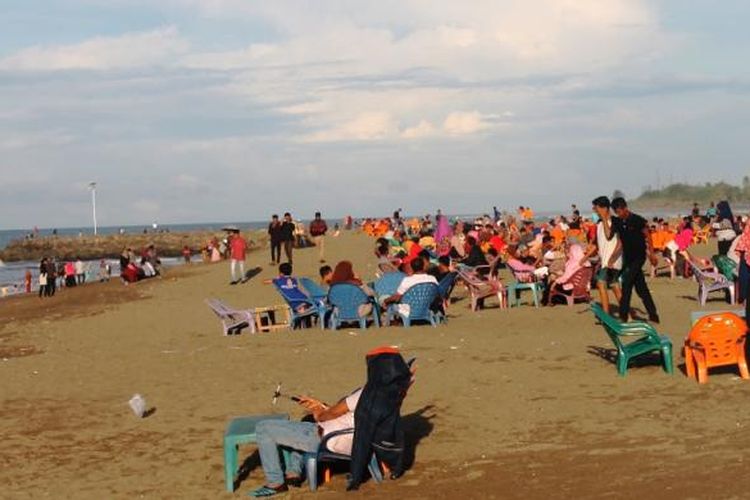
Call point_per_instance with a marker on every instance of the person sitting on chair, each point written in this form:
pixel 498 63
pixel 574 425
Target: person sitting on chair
pixel 419 276
pixel 306 437
pixel 291 288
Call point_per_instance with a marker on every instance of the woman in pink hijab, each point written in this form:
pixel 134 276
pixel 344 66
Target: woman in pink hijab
pixel 574 264
pixel 443 230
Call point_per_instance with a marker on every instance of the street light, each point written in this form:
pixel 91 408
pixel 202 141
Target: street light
pixel 92 187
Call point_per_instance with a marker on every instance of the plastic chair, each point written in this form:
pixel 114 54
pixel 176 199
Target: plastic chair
pixel 520 284
pixel 319 297
pixel 300 305
pixel 232 320
pixel 668 264
pixel 581 282
pixel 445 289
pixel 240 431
pixel 419 298
pixel 345 299
pixel 711 281
pixel 480 287
pixel 388 283
pixel 716 340
pixel 311 461
pixel 646 340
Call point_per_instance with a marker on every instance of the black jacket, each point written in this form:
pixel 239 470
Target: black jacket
pixel 377 419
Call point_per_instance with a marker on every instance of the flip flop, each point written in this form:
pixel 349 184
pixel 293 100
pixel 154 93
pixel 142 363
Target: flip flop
pixel 267 491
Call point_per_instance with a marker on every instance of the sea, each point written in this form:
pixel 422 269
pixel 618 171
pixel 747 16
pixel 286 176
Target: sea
pixel 12 273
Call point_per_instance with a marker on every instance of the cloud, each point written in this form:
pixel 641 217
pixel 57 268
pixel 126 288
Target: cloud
pixel 421 130
pixel 461 123
pixel 368 126
pixel 127 51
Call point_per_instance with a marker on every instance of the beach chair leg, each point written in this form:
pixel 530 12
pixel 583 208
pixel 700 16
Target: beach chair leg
pixel 666 352
pixel 230 465
pixel 311 470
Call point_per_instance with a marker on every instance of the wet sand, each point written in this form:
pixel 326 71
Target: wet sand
pixel 507 404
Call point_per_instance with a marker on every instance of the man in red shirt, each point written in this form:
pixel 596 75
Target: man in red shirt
pixel 237 249
pixel 318 228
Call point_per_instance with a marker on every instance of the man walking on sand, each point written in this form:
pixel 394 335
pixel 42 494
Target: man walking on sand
pixel 318 229
pixel 237 250
pixel 609 248
pixel 287 235
pixel 636 246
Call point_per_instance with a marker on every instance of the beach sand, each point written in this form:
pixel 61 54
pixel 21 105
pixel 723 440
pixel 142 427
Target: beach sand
pixel 507 403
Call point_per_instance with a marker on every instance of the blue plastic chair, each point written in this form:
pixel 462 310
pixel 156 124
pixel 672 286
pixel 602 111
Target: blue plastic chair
pixel 240 431
pixel 388 283
pixel 319 296
pixel 445 287
pixel 420 299
pixel 311 460
pixel 345 299
pixel 289 290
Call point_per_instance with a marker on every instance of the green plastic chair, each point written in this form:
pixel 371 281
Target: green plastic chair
pixel 646 340
pixel 240 431
pixel 515 288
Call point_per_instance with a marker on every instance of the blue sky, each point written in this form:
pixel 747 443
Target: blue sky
pixel 205 110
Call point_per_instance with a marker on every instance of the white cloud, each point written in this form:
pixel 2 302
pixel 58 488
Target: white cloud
pixel 421 130
pixel 368 126
pixel 462 122
pixel 131 50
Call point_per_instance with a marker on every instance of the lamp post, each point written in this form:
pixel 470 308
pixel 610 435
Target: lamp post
pixel 92 187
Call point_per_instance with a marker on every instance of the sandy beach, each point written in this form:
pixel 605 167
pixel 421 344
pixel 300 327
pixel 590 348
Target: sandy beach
pixel 514 403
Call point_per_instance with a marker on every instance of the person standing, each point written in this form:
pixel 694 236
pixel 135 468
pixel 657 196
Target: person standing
pixel 43 274
pixel 27 280
pixel 237 250
pixel 632 230
pixel 743 250
pixel 287 236
pixel 52 277
pixel 609 248
pixel 80 272
pixel 274 233
pixel 318 229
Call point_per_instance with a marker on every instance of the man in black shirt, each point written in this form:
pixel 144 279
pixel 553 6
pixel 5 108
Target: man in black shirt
pixel 636 246
pixel 287 236
pixel 274 233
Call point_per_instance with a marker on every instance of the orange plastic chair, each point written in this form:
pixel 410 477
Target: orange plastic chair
pixel 716 340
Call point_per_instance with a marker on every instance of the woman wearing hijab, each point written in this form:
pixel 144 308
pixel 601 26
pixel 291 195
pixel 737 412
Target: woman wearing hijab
pixel 575 263
pixel 344 273
pixel 443 228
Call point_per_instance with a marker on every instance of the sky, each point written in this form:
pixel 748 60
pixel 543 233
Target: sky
pixel 218 110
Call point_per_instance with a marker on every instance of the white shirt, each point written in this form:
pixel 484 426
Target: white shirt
pixel 409 282
pixel 342 444
pixel 607 247
pixel 79 267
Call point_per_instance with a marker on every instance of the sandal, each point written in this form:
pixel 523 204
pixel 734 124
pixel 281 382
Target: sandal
pixel 268 491
pixel 294 482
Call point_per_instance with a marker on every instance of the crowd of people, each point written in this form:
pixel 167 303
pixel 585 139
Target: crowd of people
pixel 55 274
pixel 613 244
